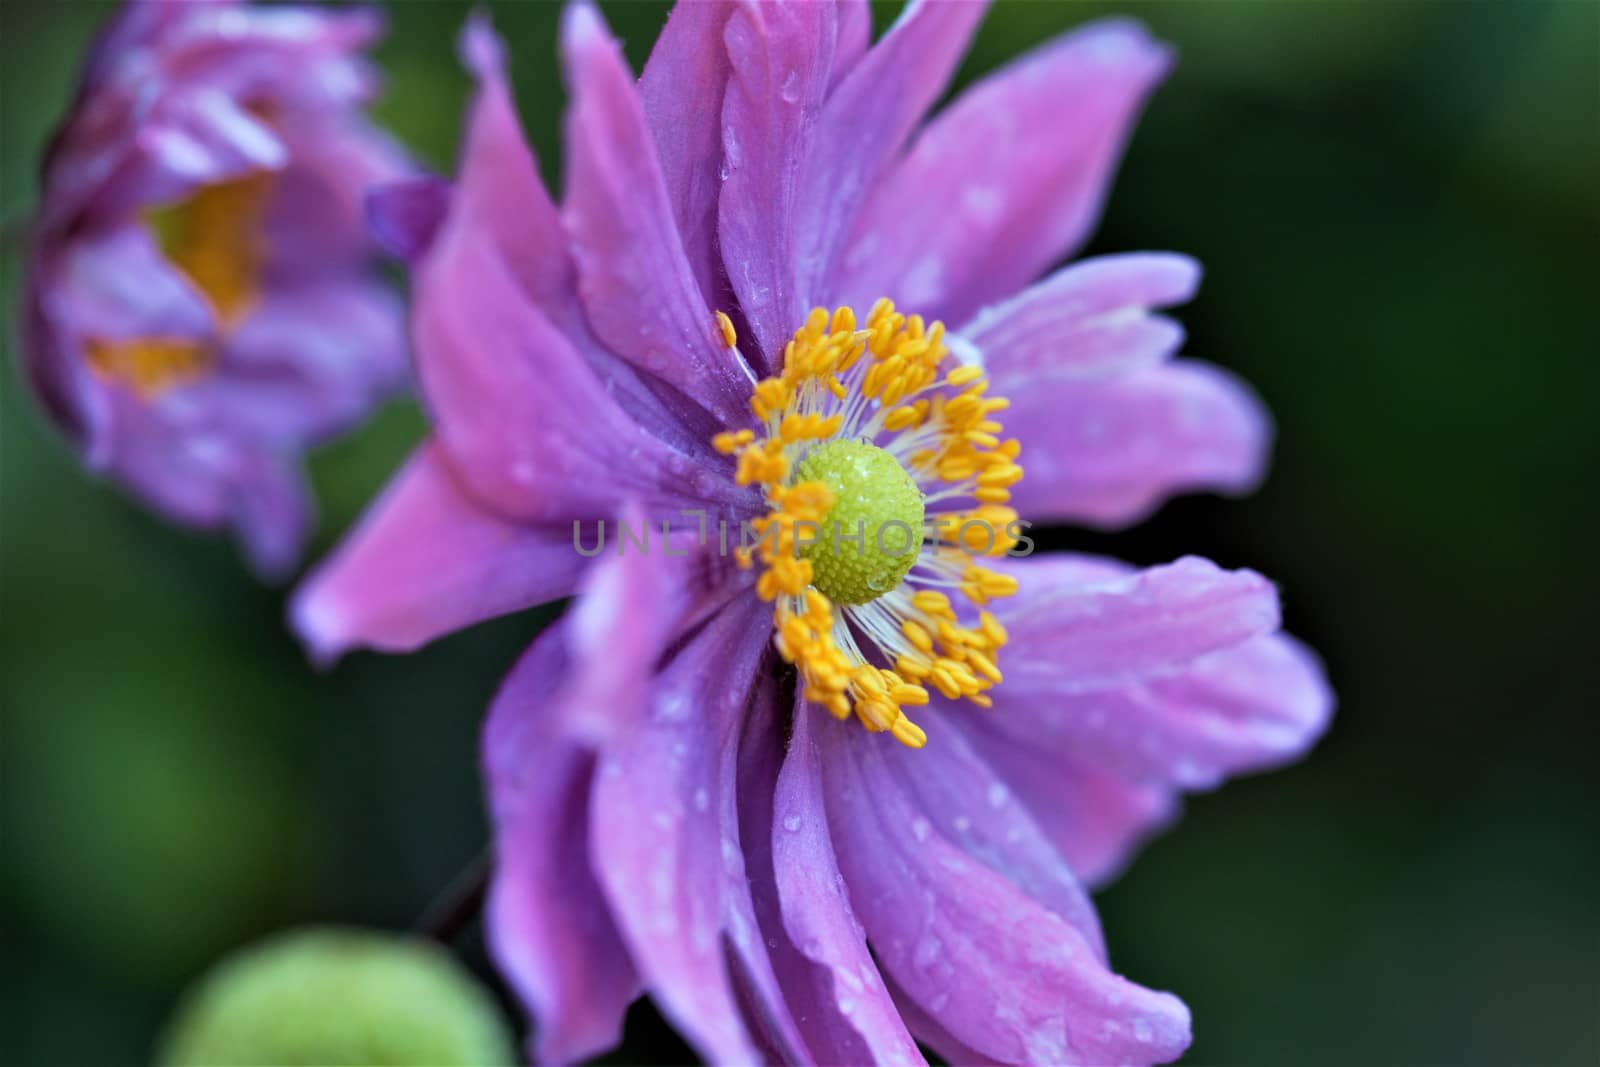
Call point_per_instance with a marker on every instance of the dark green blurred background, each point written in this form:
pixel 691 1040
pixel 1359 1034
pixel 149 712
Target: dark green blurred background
pixel 1396 205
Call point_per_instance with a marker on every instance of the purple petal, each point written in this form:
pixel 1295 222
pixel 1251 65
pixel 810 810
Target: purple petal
pixel 310 362
pixel 862 128
pixel 1008 180
pixel 1193 685
pixel 930 1032
pixel 681 90
pixel 66 388
pixel 427 560
pixel 853 37
pixel 1076 628
pixel 783 59
pixel 1097 820
pixel 283 55
pixel 810 999
pixel 110 286
pixel 269 504
pixel 190 140
pixel 1107 452
pixel 316 214
pixel 1003 975
pixel 403 216
pixel 971 806
pixel 801 159
pixel 500 180
pixel 546 921
pixel 818 918
pixel 203 475
pixel 1092 318
pixel 173 94
pixel 634 275
pixel 526 422
pixel 118 285
pixel 1248 707
pixel 665 840
pixel 586 678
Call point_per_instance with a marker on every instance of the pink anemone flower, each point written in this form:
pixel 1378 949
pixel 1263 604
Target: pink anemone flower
pixel 821 797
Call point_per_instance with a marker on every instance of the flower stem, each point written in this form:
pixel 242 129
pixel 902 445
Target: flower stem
pixel 458 904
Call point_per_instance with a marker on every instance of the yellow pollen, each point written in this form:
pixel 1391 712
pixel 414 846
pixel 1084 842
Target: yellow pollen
pixel 149 365
pixel 885 384
pixel 214 238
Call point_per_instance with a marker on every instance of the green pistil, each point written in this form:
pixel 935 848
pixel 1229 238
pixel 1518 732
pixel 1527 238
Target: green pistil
pixel 872 536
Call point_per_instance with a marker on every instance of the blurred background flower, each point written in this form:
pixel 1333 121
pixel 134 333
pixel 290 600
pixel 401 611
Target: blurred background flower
pixel 1396 206
pixel 202 299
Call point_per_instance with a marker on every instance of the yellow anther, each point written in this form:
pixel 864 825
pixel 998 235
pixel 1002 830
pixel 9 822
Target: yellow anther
pixel 867 681
pixel 1000 474
pixel 984 666
pixel 730 441
pixel 942 681
pixel 907 695
pixel 917 634
pixel 725 325
pixel 964 375
pixel 761 464
pixel 932 602
pixel 952 637
pixel 987 583
pixel 771 396
pixel 962 408
pixel 992 629
pixel 805 500
pixel 912 668
pixel 902 418
pixel 908 733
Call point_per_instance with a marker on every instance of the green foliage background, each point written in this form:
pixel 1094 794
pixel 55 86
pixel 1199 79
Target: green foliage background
pixel 1396 205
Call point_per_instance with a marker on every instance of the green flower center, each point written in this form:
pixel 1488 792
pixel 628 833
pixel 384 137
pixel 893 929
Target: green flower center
pixel 871 537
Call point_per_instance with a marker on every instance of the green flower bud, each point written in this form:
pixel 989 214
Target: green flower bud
pixel 334 996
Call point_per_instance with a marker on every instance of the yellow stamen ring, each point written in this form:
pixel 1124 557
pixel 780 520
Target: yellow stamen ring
pixel 858 410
